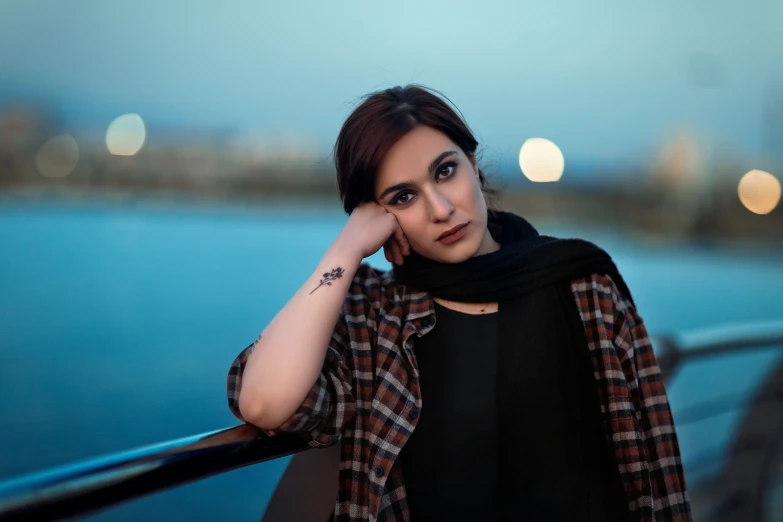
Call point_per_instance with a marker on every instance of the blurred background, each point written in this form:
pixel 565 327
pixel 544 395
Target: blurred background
pixel 166 184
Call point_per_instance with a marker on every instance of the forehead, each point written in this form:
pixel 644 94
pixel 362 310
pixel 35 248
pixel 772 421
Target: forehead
pixel 409 158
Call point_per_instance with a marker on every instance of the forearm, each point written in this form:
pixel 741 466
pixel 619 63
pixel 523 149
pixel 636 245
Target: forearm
pixel 289 355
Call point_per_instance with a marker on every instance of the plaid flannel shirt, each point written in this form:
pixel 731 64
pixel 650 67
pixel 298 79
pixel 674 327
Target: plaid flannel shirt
pixel 367 397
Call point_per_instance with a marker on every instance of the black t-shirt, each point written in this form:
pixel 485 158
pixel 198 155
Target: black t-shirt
pixel 450 462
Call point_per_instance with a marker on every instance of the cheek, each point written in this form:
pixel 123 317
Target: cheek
pixel 481 202
pixel 411 227
pixel 478 195
pixel 413 223
pixel 468 194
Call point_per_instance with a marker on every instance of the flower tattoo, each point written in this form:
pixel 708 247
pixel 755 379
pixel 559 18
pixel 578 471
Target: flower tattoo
pixel 337 273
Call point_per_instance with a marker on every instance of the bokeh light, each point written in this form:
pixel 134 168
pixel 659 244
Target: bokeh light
pixel 541 160
pixel 759 191
pixel 58 156
pixel 125 135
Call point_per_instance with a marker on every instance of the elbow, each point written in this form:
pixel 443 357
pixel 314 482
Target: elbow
pixel 253 412
pixel 250 408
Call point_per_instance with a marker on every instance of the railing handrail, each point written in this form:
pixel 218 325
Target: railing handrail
pixel 672 350
pixel 90 485
pixel 725 337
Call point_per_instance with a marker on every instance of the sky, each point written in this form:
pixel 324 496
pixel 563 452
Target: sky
pixel 607 80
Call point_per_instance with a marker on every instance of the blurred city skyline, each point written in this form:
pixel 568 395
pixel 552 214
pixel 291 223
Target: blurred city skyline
pixel 609 83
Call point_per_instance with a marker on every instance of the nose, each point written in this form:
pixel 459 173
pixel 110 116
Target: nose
pixel 440 208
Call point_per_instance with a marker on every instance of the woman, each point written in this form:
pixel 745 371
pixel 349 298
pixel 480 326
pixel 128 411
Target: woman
pixel 492 374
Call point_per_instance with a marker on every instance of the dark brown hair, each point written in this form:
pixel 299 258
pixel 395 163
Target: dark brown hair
pixel 379 122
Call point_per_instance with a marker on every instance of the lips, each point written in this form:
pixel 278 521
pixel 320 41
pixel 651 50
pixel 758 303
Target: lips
pixel 452 231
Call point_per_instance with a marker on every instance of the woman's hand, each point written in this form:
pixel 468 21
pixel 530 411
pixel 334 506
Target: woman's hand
pixel 371 227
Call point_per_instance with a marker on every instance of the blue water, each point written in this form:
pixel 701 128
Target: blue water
pixel 118 324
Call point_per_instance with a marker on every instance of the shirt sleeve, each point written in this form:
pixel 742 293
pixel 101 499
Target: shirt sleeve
pixel 328 405
pixel 648 395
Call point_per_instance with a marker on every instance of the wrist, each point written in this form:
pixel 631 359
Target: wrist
pixel 346 252
pixel 345 258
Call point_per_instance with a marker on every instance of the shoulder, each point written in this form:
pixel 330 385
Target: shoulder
pixel 600 292
pixel 609 315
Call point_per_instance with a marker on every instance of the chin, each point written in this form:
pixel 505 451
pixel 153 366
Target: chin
pixel 455 255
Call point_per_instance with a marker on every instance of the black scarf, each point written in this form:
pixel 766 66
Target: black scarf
pixel 526 276
pixel 525 262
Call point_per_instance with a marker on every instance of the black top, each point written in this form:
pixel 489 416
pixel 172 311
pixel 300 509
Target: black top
pixel 450 462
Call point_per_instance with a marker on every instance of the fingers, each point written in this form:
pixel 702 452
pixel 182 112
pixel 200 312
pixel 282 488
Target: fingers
pixel 396 247
pixel 402 241
pixel 393 252
pixel 397 252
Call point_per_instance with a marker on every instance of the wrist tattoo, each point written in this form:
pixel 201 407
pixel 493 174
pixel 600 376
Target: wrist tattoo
pixel 337 273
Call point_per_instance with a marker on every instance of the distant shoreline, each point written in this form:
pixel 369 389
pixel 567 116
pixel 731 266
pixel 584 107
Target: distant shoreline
pixel 638 216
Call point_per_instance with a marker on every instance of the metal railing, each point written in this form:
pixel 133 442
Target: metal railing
pixel 88 486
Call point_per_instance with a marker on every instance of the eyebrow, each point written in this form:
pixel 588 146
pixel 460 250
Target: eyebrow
pixel 431 169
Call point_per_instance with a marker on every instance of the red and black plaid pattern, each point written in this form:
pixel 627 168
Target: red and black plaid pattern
pixel 367 397
pixel 635 407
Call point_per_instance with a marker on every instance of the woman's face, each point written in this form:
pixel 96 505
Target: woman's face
pixel 431 186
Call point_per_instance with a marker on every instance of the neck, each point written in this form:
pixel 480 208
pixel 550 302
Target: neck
pixel 488 245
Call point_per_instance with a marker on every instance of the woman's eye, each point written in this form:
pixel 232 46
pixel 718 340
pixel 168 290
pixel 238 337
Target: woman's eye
pixel 446 170
pixel 401 199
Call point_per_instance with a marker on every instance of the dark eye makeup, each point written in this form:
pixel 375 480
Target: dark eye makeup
pixel 396 200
